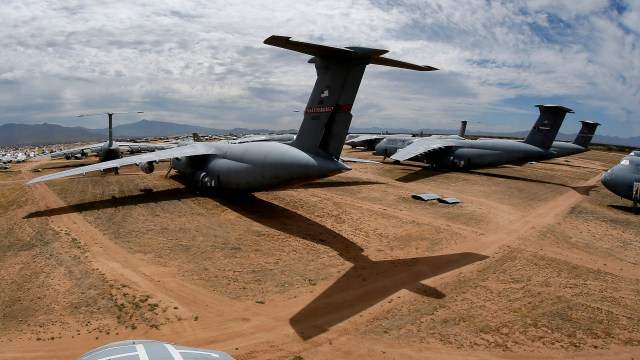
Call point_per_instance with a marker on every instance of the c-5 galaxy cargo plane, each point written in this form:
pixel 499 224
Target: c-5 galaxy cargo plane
pixel 580 144
pixel 371 141
pixel 452 152
pixel 253 166
pixel 624 178
pixel 109 150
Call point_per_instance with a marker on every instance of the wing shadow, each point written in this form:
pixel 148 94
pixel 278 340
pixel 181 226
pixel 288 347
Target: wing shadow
pixel 330 184
pixel 146 196
pixel 423 173
pixel 364 285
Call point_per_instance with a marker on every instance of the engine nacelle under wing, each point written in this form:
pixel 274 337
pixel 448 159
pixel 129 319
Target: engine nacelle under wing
pixel 147 167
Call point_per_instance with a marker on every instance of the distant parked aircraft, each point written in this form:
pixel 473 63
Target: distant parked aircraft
pixel 108 150
pixel 580 144
pixel 252 166
pixel 451 152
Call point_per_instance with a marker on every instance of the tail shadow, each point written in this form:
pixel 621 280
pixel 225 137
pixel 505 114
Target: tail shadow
pixel 364 285
pixel 146 196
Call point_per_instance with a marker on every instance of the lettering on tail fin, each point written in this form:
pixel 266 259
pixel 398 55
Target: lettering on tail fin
pixel 585 135
pixel 546 127
pixel 327 116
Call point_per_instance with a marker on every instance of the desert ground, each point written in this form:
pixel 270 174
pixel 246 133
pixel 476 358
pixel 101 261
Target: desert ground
pixel 537 262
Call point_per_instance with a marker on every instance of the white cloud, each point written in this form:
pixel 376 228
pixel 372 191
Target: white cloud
pixel 204 62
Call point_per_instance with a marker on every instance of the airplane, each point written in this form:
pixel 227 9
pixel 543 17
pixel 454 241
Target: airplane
pixel 451 152
pixel 580 144
pixel 13 158
pixel 369 141
pixel 4 166
pixel 391 144
pixel 108 150
pixel 558 148
pixel 151 350
pixel 262 165
pixel 624 178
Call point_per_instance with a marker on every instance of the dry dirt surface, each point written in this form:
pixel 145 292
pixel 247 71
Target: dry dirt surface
pixel 537 262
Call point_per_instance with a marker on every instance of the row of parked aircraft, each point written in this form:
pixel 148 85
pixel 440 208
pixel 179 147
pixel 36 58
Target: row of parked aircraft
pixel 267 162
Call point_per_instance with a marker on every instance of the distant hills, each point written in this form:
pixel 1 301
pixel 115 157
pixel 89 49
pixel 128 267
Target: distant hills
pixel 45 134
pixel 22 134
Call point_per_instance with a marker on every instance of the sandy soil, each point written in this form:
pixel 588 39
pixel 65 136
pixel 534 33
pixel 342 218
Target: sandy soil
pixel 537 261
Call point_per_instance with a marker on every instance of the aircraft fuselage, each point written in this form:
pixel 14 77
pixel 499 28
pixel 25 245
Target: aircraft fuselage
pixel 620 178
pixel 255 166
pixel 475 154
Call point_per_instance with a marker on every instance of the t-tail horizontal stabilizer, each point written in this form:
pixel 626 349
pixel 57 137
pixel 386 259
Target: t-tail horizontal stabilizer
pixel 327 116
pixel 325 52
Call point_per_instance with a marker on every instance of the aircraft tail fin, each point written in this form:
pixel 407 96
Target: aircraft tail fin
pixel 585 135
pixel 463 128
pixel 327 116
pixel 197 137
pixel 547 125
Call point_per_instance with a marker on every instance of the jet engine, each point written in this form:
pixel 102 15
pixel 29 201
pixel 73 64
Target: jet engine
pixel 202 179
pixel 147 167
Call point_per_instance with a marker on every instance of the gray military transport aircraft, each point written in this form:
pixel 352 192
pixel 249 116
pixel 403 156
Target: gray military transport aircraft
pixel 255 166
pixel 624 178
pixel 151 350
pixel 109 150
pixel 451 152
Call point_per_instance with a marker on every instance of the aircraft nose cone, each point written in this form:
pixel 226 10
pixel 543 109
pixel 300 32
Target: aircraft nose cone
pixel 607 179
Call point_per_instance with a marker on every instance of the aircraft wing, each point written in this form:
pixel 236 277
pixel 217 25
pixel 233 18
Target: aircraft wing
pixel 419 147
pixel 251 138
pixel 140 147
pixel 363 138
pixel 350 159
pixel 192 149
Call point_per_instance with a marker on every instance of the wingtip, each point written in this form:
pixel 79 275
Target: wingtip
pixel 275 39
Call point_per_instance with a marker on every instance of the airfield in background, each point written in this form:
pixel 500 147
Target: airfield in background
pixel 537 261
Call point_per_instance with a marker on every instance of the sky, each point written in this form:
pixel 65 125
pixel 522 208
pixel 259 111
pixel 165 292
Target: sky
pixel 204 62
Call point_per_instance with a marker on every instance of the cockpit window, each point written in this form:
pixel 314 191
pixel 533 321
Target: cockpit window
pixel 624 162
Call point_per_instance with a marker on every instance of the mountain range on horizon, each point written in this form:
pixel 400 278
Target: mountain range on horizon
pixel 46 134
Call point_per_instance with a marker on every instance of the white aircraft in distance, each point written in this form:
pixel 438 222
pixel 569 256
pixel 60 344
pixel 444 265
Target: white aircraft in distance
pixel 108 150
pixel 254 166
pixel 13 158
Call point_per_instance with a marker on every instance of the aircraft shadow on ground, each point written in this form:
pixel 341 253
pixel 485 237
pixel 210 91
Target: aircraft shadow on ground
pixel 423 173
pixel 624 208
pixel 574 165
pixel 330 184
pixel 364 285
pixel 146 196
pixel 582 190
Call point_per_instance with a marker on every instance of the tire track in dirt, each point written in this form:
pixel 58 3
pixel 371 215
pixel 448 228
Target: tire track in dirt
pixel 222 321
